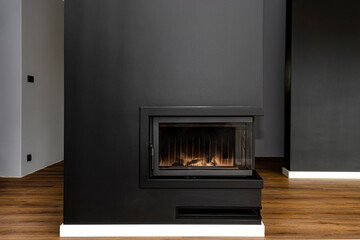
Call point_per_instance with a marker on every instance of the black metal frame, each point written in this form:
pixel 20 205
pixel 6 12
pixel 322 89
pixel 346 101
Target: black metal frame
pixel 154 142
pixel 147 178
pixel 287 135
pixel 251 214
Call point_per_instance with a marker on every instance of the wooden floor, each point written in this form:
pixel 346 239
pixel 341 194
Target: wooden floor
pixel 31 207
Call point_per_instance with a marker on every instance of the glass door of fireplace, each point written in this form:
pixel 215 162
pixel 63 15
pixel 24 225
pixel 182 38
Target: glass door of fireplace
pixel 202 146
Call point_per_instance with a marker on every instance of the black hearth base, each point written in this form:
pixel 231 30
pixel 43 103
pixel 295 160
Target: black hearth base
pixel 240 203
pixel 187 212
pixel 232 212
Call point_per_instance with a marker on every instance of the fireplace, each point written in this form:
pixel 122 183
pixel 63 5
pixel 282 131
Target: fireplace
pixel 160 110
pixel 202 146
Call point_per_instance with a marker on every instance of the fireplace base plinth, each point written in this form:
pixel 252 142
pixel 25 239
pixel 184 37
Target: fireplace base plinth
pixel 163 230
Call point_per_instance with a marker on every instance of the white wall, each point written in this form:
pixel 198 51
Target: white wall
pixel 10 87
pixel 42 101
pixel 31 114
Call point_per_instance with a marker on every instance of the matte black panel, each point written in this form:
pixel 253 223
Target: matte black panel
pixel 325 85
pixel 124 54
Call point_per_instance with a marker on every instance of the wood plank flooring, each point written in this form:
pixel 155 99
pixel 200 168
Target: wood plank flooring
pixel 31 207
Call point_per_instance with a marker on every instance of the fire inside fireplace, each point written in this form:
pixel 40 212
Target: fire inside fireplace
pixel 203 146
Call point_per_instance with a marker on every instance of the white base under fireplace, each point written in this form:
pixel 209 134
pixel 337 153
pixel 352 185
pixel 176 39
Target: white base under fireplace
pixel 162 230
pixel 321 175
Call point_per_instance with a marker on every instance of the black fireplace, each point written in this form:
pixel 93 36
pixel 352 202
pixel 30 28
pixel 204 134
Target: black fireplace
pixel 161 99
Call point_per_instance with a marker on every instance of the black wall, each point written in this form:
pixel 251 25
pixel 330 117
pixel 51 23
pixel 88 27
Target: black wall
pixel 123 54
pixel 270 127
pixel 325 73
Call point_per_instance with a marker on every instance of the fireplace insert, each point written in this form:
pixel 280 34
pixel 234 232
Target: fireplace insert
pixel 202 146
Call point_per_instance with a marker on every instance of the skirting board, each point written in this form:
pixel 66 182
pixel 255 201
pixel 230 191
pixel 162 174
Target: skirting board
pixel 163 230
pixel 320 175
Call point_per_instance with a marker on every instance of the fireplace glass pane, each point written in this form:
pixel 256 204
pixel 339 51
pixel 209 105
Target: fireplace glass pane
pixel 207 146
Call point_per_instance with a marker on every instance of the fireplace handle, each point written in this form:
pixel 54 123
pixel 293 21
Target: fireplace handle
pixel 152 156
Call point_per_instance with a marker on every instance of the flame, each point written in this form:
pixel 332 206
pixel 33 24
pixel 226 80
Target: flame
pixel 207 152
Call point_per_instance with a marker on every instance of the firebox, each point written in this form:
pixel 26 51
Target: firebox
pixel 202 146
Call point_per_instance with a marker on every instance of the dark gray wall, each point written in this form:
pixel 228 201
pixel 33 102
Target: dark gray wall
pixel 325 85
pixel 270 127
pixel 177 52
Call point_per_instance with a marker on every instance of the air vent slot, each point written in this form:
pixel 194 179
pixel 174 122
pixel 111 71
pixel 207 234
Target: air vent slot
pixel 217 213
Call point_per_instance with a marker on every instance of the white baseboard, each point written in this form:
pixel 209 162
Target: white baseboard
pixel 163 230
pixel 320 175
pixel 285 172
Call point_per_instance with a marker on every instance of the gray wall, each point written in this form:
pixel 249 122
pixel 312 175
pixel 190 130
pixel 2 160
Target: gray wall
pixel 325 87
pixel 270 127
pixel 42 101
pixel 10 87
